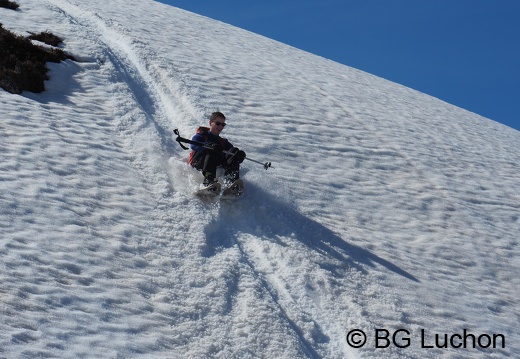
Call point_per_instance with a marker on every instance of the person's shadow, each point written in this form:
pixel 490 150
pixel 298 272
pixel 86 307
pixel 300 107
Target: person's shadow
pixel 261 214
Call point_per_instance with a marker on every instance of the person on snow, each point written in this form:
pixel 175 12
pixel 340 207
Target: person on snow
pixel 216 152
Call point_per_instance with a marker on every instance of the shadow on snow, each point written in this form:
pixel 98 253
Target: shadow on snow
pixel 263 215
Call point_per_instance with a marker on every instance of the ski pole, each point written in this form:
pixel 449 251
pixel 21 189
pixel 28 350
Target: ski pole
pixel 181 140
pixel 266 165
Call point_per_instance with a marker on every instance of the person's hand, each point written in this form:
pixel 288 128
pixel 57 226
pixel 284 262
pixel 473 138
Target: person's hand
pixel 240 156
pixel 236 155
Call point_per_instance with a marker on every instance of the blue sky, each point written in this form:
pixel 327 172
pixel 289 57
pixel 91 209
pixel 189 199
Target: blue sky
pixel 465 52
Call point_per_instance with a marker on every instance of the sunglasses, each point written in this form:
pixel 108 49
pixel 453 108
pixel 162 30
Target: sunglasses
pixel 220 124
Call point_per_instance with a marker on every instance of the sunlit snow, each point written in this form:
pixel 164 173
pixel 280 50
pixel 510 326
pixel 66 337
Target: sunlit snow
pixel 386 209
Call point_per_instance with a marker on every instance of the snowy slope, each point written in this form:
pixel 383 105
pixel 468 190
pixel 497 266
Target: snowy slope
pixel 385 209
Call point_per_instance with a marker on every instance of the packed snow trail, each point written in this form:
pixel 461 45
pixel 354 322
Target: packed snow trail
pixel 132 73
pixel 384 204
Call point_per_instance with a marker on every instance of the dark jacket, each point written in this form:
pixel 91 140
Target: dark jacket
pixel 203 135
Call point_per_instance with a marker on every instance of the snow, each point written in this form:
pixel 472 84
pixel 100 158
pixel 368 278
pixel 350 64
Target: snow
pixel 385 209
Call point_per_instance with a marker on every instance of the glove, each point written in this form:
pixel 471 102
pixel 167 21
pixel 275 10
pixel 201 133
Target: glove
pixel 216 147
pixel 236 156
pixel 240 156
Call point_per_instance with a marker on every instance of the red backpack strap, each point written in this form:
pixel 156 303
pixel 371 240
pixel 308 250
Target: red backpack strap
pixel 203 129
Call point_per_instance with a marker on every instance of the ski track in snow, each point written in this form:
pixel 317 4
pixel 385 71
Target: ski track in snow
pixel 119 51
pixel 371 218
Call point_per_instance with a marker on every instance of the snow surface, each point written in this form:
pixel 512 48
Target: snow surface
pixel 385 209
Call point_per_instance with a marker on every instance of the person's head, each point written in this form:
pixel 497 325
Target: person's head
pixel 217 121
